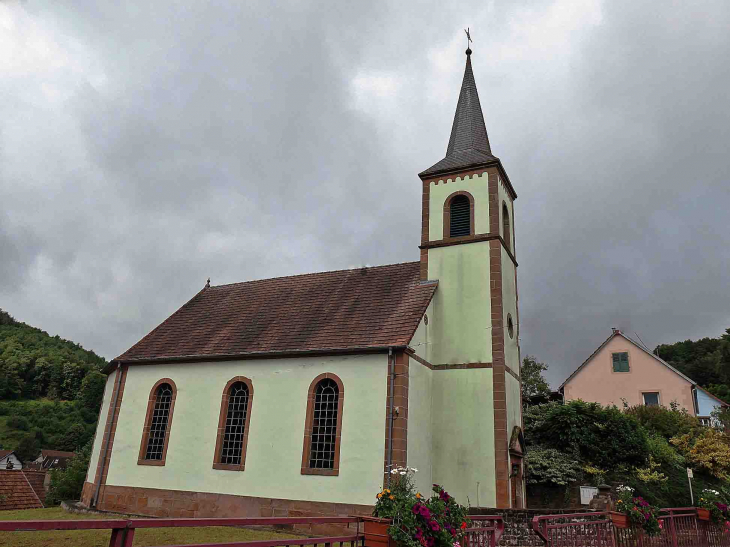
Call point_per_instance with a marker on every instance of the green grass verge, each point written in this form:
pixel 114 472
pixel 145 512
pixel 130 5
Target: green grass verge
pixel 100 538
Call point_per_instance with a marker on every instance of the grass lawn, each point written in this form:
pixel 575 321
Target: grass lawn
pixel 100 538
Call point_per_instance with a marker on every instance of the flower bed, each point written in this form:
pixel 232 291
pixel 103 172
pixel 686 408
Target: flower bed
pixel 412 519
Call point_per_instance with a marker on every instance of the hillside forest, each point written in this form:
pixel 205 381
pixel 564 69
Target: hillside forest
pixel 50 390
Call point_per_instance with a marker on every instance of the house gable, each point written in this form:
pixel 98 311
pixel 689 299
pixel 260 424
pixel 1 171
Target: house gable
pixel 596 381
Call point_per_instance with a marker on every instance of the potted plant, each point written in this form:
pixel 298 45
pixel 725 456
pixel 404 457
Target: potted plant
pixel 404 517
pixel 712 507
pixel 635 511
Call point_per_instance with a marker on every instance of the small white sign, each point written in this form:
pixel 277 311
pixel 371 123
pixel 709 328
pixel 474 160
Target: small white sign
pixel 689 473
pixel 587 493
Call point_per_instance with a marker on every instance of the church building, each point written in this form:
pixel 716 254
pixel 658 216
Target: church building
pixel 297 395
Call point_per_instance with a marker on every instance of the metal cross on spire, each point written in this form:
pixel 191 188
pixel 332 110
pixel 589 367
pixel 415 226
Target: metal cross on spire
pixel 468 40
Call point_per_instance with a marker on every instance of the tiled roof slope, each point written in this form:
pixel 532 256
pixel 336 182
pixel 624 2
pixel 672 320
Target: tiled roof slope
pixel 36 478
pixel 359 309
pixel 469 143
pixel 56 453
pixel 4 453
pixel 16 492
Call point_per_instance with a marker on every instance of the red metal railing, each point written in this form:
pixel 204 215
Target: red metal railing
pixel 123 530
pixel 484 531
pixel 680 528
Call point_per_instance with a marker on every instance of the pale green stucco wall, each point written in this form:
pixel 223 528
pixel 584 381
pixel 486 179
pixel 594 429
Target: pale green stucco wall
pixel 274 453
pixel 99 435
pixel 419 424
pixel 476 185
pixel 461 328
pixel 514 408
pixel 463 434
pixel 509 306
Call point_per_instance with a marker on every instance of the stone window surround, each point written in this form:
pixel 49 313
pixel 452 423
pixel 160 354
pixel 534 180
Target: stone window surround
pixel 447 216
pixel 147 422
pixel 308 423
pixel 217 464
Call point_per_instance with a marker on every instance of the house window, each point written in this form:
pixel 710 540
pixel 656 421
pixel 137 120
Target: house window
pixel 460 216
pixel 156 432
pixel 506 234
pixel 621 362
pixel 323 427
pixel 233 425
pixel 651 398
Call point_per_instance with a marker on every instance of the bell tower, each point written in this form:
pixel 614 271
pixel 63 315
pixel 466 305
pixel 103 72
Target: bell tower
pixel 468 245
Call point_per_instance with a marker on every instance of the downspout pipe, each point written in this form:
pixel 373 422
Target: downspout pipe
pixel 108 435
pixel 391 414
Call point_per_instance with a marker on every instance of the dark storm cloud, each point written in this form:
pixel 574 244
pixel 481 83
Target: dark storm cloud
pixel 144 148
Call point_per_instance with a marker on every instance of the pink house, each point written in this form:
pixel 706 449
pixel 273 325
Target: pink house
pixel 622 369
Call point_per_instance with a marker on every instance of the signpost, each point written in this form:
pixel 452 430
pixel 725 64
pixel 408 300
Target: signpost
pixel 689 478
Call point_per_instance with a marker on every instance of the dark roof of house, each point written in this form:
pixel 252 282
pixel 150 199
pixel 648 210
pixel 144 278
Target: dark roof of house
pixel 615 333
pixel 4 453
pixel 347 310
pixel 16 492
pixel 469 143
pixel 56 453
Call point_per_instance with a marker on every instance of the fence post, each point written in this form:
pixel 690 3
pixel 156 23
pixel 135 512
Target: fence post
pixel 672 529
pixel 128 537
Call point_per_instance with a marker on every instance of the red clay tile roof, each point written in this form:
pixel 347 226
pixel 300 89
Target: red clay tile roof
pixel 4 453
pixel 346 310
pixel 36 478
pixel 16 492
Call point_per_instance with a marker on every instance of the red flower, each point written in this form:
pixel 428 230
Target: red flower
pixel 463 525
pixel 434 526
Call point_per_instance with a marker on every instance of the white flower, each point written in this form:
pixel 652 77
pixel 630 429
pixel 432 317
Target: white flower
pixel 394 471
pixel 402 472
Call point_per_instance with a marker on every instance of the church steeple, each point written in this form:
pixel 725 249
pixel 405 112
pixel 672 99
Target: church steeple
pixel 469 142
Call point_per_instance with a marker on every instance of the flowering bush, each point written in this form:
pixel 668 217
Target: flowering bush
pixel 640 512
pixel 418 521
pixel 711 499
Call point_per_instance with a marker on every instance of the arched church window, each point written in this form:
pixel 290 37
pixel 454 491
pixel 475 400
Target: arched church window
pixel 233 425
pixel 156 433
pixel 506 234
pixel 460 216
pixel 323 427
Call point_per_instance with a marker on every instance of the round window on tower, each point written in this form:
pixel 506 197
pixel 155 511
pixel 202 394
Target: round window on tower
pixel 510 326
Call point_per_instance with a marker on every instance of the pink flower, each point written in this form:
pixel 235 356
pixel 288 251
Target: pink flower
pixel 434 526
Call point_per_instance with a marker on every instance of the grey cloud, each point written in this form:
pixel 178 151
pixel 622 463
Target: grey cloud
pixel 224 140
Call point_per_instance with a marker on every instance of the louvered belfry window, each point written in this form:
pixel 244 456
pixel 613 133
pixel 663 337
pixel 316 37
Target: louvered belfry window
pixel 232 447
pixel 460 217
pixel 324 425
pixel 158 424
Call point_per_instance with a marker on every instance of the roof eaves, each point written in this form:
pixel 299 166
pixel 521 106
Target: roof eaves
pixel 576 371
pixel 419 317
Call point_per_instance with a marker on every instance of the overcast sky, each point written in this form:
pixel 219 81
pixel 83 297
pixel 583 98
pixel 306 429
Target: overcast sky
pixel 145 146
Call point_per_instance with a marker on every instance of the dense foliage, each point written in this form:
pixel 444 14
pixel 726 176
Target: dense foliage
pixel 706 361
pixel 535 388
pixel 646 447
pixel 418 521
pixel 66 484
pixel 51 390
pixel 34 364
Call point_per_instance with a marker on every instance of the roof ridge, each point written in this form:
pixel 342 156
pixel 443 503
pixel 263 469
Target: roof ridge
pixel 315 273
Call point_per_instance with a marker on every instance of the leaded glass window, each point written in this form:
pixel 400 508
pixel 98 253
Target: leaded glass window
pixel 232 448
pixel 158 423
pixel 324 425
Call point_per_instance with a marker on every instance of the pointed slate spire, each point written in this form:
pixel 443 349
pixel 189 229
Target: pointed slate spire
pixel 469 143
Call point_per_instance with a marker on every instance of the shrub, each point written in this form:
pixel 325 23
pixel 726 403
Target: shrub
pixel 664 421
pixel 18 422
pixel 640 512
pixel 66 484
pixel 551 466
pixel 708 450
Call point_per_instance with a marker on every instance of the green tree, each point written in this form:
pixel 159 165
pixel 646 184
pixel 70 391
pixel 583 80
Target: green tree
pixel 28 448
pixel 74 438
pixel 534 386
pixel 66 484
pixel 92 390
